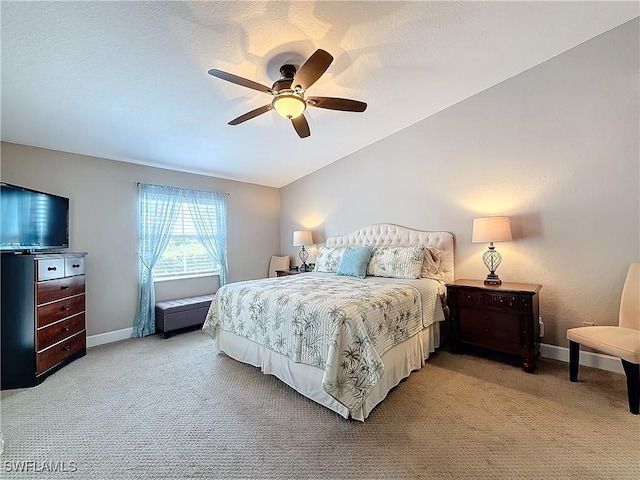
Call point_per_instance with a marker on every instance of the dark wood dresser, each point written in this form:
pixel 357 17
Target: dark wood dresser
pixel 43 315
pixel 499 317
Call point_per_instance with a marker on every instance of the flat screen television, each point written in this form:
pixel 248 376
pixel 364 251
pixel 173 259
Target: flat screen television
pixel 32 221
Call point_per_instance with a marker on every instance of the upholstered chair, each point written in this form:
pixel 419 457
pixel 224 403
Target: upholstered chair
pixel 622 341
pixel 278 263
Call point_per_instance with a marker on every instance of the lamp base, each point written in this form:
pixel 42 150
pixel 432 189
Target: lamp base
pixel 492 279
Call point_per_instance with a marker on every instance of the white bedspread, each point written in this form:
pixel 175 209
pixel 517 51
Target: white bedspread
pixel 342 325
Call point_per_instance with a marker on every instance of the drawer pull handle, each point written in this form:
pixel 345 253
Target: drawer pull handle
pixel 76 265
pixel 65 308
pixel 468 297
pixel 66 329
pixel 64 287
pixel 52 269
pixel 66 348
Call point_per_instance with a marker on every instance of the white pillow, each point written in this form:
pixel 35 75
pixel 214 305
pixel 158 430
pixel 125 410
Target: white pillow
pixel 328 259
pixel 396 262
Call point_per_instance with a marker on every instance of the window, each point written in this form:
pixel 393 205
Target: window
pixel 182 233
pixel 185 255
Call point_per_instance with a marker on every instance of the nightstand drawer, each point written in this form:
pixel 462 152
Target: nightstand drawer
pixel 502 301
pixel 469 298
pixel 507 302
pixel 500 331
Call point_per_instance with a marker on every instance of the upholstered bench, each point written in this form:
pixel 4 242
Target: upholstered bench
pixel 181 313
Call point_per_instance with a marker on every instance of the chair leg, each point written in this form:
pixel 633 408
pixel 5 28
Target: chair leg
pixel 574 360
pixel 632 370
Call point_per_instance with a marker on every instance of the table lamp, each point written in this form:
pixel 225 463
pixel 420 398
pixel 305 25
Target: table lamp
pixel 300 239
pixel 491 229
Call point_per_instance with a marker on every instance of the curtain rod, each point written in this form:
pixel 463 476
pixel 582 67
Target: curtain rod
pixel 137 184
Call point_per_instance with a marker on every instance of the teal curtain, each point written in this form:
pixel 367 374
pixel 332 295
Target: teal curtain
pixel 209 213
pixel 158 209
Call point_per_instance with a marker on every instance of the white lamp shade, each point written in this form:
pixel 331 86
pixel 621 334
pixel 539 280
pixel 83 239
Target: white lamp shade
pixel 491 229
pixel 302 237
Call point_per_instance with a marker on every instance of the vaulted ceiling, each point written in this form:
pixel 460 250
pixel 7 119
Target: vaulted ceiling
pixel 128 80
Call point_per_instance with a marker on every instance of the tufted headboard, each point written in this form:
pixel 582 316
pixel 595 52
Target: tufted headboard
pixel 394 235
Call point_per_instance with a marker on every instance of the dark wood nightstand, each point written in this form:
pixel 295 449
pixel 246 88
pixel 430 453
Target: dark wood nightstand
pixel 501 317
pixel 284 273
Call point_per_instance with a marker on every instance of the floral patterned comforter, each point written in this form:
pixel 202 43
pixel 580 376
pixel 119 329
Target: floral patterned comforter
pixel 342 325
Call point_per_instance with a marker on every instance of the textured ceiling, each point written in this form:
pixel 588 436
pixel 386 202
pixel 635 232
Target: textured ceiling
pixel 128 80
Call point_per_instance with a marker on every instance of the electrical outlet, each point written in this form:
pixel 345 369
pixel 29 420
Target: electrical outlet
pixel 587 324
pixel 541 323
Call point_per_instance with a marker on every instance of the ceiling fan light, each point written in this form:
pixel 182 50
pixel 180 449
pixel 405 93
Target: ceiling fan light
pixel 289 105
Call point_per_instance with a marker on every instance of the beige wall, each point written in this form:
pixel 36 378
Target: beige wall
pixel 103 212
pixel 555 148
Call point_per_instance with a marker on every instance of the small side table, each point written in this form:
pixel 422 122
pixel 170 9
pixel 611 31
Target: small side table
pixel 499 317
pixel 284 273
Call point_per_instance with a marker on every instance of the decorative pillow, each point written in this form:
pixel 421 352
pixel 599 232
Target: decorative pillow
pixel 354 262
pixel 328 259
pixel 396 262
pixel 431 266
pixel 437 258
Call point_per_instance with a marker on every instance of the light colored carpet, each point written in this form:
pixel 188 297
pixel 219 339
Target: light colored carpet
pixel 169 409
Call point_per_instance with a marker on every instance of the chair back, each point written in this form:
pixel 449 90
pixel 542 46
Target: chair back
pixel 278 263
pixel 630 303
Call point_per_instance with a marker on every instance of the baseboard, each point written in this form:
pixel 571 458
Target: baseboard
pixel 588 359
pixel 109 337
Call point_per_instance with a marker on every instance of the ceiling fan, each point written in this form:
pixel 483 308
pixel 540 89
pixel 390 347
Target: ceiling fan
pixel 289 92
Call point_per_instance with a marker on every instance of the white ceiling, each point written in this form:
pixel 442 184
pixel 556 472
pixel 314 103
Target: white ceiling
pixel 128 80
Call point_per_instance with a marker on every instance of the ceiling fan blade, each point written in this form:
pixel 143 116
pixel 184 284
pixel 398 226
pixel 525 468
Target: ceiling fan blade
pixel 301 126
pixel 332 103
pixel 312 69
pixel 251 114
pixel 229 77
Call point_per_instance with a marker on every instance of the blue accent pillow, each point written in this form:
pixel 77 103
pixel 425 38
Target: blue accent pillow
pixel 354 262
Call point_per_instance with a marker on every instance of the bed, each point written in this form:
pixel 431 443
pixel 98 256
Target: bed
pixel 342 341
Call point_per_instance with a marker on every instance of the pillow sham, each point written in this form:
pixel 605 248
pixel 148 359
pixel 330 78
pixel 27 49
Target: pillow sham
pixel 396 262
pixel 328 259
pixel 354 262
pixel 431 266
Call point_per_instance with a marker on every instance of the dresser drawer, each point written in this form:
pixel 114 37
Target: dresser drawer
pixel 61 288
pixel 55 332
pixel 52 312
pixel 49 268
pixel 73 266
pixel 497 330
pixel 57 353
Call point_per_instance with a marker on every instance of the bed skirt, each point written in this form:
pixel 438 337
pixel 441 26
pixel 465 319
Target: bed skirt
pixel 398 362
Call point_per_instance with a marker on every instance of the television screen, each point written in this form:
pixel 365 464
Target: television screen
pixel 31 220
